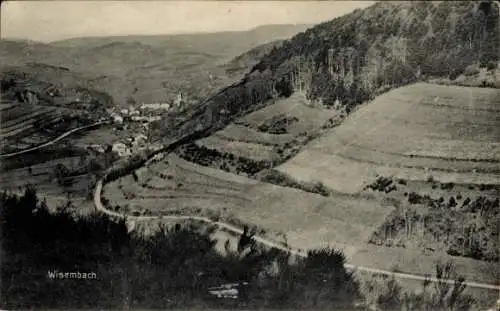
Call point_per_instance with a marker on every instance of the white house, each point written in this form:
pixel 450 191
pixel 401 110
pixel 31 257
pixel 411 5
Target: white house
pixel 155 106
pixel 146 119
pixel 178 100
pixel 97 148
pixel 121 149
pixel 117 119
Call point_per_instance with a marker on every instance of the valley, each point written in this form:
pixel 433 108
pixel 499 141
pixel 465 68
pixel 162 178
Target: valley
pixel 263 157
pixel 357 213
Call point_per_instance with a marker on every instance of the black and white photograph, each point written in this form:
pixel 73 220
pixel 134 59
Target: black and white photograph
pixel 250 155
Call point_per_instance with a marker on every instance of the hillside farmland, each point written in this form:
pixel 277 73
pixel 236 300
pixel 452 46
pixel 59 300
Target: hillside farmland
pixel 176 187
pixel 21 125
pixel 308 220
pixel 445 132
pixel 264 137
pixel 43 177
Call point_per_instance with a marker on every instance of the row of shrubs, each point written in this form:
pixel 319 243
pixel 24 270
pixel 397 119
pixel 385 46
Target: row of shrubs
pixel 225 161
pixel 277 178
pixel 277 124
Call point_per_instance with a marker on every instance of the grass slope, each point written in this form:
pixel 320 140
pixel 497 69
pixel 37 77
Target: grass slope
pixel 307 219
pixel 422 130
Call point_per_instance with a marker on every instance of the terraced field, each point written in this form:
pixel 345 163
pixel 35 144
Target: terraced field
pixel 308 118
pixel 19 119
pixel 260 135
pixel 308 220
pixel 449 133
pixel 21 124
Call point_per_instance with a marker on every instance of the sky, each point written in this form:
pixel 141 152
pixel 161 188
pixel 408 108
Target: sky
pixel 48 21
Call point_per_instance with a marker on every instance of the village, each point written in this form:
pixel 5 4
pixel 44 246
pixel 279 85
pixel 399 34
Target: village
pixel 136 122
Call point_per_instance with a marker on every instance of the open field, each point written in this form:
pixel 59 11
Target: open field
pixel 42 177
pixel 249 135
pixel 447 132
pixel 104 135
pixel 252 151
pixel 262 138
pixel 307 118
pixel 308 220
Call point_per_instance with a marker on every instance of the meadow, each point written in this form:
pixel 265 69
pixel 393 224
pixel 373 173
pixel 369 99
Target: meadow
pixel 268 135
pixel 449 133
pixel 42 176
pixel 306 219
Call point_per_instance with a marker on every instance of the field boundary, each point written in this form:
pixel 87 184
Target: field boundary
pixel 55 140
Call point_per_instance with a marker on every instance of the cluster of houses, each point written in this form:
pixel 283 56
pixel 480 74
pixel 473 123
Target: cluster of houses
pixel 133 145
pixel 146 112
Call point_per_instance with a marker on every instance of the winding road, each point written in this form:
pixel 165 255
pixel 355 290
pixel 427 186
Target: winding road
pixel 53 141
pixel 100 207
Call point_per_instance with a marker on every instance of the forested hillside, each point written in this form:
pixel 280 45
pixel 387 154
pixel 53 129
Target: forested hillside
pixel 352 58
pixel 387 45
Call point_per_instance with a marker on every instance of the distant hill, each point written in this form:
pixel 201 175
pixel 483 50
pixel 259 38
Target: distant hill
pixel 354 57
pixel 241 63
pixel 149 68
pixel 236 41
pixel 37 83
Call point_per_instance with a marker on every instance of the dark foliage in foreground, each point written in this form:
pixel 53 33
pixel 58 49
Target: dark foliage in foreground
pixel 173 268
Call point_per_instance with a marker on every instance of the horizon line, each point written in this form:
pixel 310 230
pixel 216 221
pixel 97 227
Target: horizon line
pixel 187 33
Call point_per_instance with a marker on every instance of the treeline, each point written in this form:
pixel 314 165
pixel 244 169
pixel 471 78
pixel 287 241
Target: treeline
pixel 387 45
pixel 222 160
pixel 462 226
pixel 176 267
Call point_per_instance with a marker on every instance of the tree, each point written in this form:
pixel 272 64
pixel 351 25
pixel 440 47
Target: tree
pixel 61 174
pixel 246 239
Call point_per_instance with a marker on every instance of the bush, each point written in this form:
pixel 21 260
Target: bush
pixel 402 182
pixel 491 65
pixel 452 202
pixel 384 293
pixel 414 198
pixel 447 186
pixel 471 70
pixel 320 188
